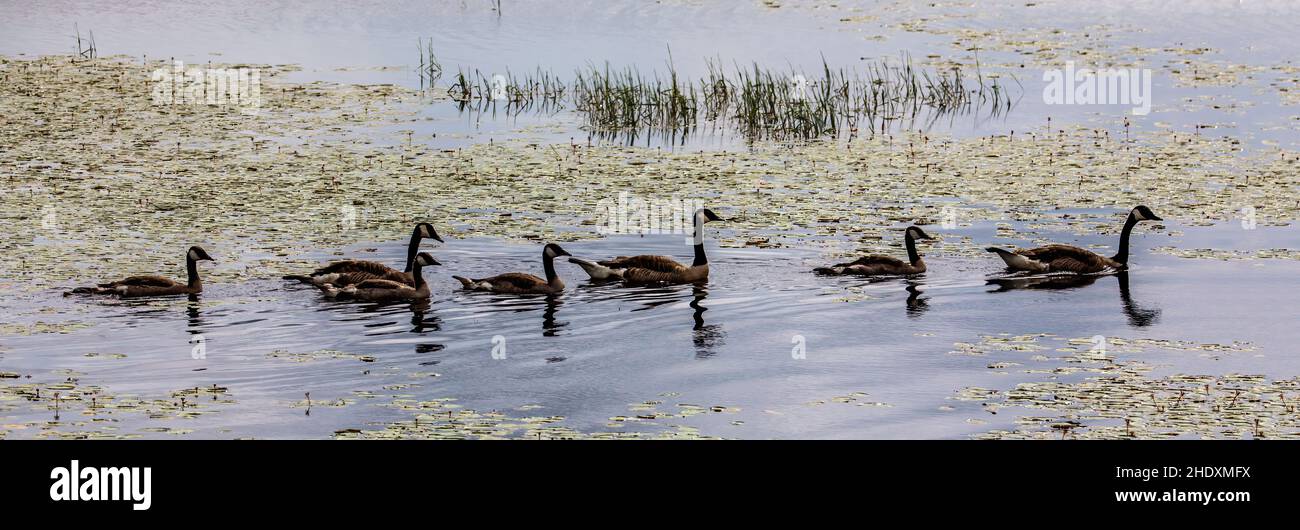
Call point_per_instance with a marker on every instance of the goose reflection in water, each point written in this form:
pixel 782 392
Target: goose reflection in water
pixel 194 326
pixel 421 322
pixel 550 326
pixel 706 337
pixel 1136 314
pixel 1138 317
pixel 194 316
pixel 916 305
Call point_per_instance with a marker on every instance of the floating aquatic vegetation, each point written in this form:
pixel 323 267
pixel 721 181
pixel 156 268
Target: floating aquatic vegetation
pixel 98 355
pixel 73 409
pixel 42 327
pixel 852 398
pixel 995 343
pixel 1125 404
pixel 1120 399
pixel 444 419
pixel 1228 255
pixel 303 357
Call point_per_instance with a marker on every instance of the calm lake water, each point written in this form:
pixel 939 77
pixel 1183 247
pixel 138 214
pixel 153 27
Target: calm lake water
pixel 595 350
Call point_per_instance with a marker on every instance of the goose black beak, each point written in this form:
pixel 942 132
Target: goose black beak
pixel 438 238
pixel 1155 218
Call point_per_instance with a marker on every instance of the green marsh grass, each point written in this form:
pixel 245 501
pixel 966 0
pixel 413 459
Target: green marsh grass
pixel 761 104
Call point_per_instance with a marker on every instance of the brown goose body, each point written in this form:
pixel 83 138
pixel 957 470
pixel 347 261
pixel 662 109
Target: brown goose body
pixel 880 265
pixel 1072 259
pixel 154 285
pixel 343 273
pixel 657 269
pixel 351 272
pixel 382 290
pixel 513 283
pixel 653 269
pixel 875 265
pixel 519 282
pixel 1058 258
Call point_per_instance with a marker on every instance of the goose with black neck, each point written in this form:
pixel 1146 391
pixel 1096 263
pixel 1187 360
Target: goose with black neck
pixel 654 269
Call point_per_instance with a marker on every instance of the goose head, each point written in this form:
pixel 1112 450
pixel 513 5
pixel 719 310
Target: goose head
pixel 423 230
pixel 1142 213
pixel 917 233
pixel 704 215
pixel 425 260
pixel 553 251
pixel 197 253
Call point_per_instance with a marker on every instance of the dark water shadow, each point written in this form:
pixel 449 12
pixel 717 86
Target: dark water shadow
pixel 706 338
pixel 916 304
pixel 1136 315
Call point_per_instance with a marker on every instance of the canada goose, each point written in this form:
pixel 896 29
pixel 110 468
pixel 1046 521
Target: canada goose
pixel 379 290
pixel 1067 258
pixel 352 271
pixel 521 283
pixel 656 269
pixel 876 264
pixel 153 285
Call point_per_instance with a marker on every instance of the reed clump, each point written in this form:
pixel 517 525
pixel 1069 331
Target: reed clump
pixel 762 104
pixel 86 48
pixel 539 90
pixel 430 68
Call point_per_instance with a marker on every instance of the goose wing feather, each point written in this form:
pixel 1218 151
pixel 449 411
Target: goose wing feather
pixel 647 262
pixel 381 284
pixel 377 270
pixel 148 280
pixel 874 260
pixel 640 275
pixel 515 280
pixel 356 277
pixel 1066 258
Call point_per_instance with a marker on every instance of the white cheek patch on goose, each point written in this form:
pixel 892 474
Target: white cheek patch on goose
pixel 1138 214
pixel 194 256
